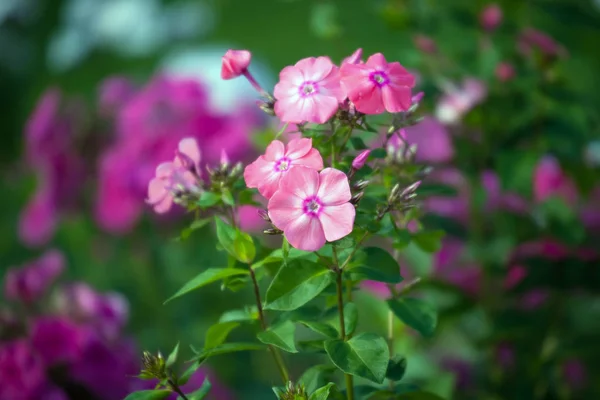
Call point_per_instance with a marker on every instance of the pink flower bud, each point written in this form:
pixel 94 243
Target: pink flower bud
pixel 235 62
pixel 425 44
pixel 360 159
pixel 224 158
pixel 505 72
pixel 354 58
pixel 491 17
pixel 417 97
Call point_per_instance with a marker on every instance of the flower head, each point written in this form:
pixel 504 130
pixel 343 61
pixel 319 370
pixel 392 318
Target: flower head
pixel 377 85
pixel 308 91
pixel 312 208
pixel 235 62
pixel 30 282
pixel 491 17
pixel 176 178
pixel 266 172
pixel 425 44
pixel 550 180
pixel 57 339
pixel 22 372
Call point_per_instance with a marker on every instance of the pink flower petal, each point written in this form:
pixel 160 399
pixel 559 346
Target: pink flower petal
pixel 291 74
pixel 334 188
pixel 189 147
pixel 164 170
pixel 377 60
pixel 337 221
pixel 300 181
pixel 311 160
pixel 261 174
pixel 275 151
pixel 396 99
pixel 305 233
pixel 322 108
pixel 284 208
pixel 298 148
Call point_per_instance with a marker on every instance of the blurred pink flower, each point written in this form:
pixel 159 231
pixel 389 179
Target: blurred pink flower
pixel 433 141
pixel 267 171
pixel 514 276
pixel 549 180
pixel 312 208
pixel 308 91
pixel 456 207
pixel 590 211
pixel 533 299
pixel 531 39
pixel 250 219
pixel 114 93
pixel 505 355
pixel 505 72
pixel 459 100
pixel 491 17
pixel 498 200
pixel 39 218
pixel 57 340
pixel 377 86
pixel 450 266
pixel 575 373
pixel 22 372
pixel 425 44
pixel 31 281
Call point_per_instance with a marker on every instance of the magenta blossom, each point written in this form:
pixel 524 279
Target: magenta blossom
pixel 308 91
pixel 268 169
pixel 39 218
pixel 514 276
pixel 505 72
pixel 549 180
pixel 30 282
pixel 311 207
pixel 173 178
pixel 531 39
pixel 425 44
pixel 22 372
pixel 57 340
pixel 114 93
pixel 491 17
pixel 378 86
pixel 432 139
pixel 360 160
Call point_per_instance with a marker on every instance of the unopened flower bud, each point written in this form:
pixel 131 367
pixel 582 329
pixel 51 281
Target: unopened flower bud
pixel 224 159
pixel 272 231
pixel 154 366
pixel 267 107
pixel 394 193
pixel 357 198
pixel 264 214
pixel 236 170
pixel 360 159
pixel 360 185
pixel 491 17
pixel 505 72
pixel 235 63
pixel 417 97
pixel 354 58
pixel 425 44
pixel 409 191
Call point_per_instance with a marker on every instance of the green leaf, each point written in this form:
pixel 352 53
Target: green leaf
pixel 432 189
pixel 173 356
pixel 311 346
pixel 429 241
pixel 277 256
pixel 358 143
pixel 396 368
pixel 322 393
pixel 227 348
pixel 227 197
pixel 297 283
pixel 217 334
pixel 378 153
pixel 247 314
pixel 280 335
pixel 350 318
pixel 421 396
pixel 208 199
pixel 237 243
pixel 209 276
pixel 415 313
pixel 185 377
pixel 344 243
pixel 197 224
pixel 366 355
pixel 377 265
pixel 149 395
pixel 315 377
pixel 200 393
pixel 322 328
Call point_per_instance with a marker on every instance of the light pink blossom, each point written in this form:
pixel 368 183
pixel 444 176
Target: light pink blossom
pixel 312 208
pixel 268 169
pixel 378 86
pixel 235 62
pixel 308 91
pixel 181 175
pixel 459 100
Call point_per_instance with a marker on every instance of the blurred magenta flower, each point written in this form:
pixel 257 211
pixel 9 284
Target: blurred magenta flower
pixel 505 71
pixel 450 265
pixel 38 220
pixel 549 180
pixel 57 340
pixel 250 219
pixel 425 44
pixel 505 355
pixel 22 372
pixel 308 91
pixel 30 282
pixel 499 200
pixel 531 39
pixel 462 369
pixel 114 93
pixel 533 299
pixel 458 100
pixel 491 17
pixel 433 141
pixel 377 86
pixel 456 207
pixel 149 127
pixel 514 276
pixel 575 373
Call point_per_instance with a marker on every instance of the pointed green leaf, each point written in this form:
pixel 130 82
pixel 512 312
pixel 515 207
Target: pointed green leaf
pixel 216 334
pixel 227 197
pixel 206 277
pixel 197 224
pixel 200 393
pixel 185 377
pixel 208 199
pixel 280 335
pixel 322 328
pixel 277 256
pixel 173 356
pixel 237 243
pixel 311 346
pixel 376 265
pixel 227 348
pixel 429 241
pixel 365 355
pixel 396 368
pixel 247 314
pixel 149 395
pixel 350 318
pixel 322 393
pixel 315 377
pixel 297 283
pixel 415 313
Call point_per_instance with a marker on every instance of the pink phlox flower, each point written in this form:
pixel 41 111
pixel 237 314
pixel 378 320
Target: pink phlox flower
pixel 266 172
pixel 173 178
pixel 309 91
pixel 432 141
pixel 312 208
pixel 514 276
pixel 378 86
pixel 360 160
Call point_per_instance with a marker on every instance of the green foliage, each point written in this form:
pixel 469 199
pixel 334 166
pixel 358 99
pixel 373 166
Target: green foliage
pixel 149 395
pixel 207 277
pixel 217 334
pixel 237 243
pixel 201 393
pixel 297 283
pixel 315 377
pixel 415 313
pixel 172 357
pixel 281 336
pixel 366 355
pixel 227 348
pixel 376 264
pixel 396 368
pixel 323 392
pixel 428 241
pixel 321 328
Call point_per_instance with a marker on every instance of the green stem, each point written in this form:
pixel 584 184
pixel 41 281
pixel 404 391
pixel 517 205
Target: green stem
pixel 285 376
pixel 355 249
pixel 176 389
pixel 340 303
pixel 390 338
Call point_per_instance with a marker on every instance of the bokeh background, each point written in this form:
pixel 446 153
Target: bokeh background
pixel 92 92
